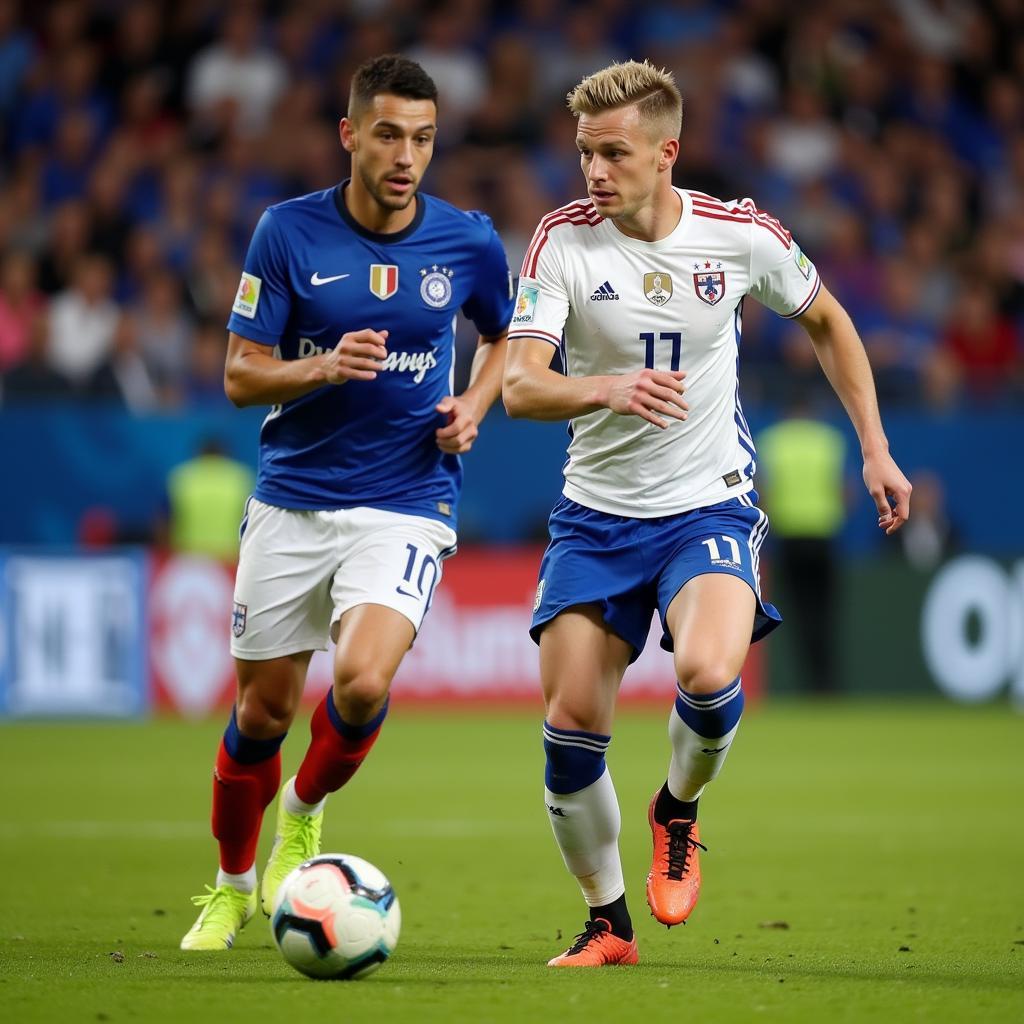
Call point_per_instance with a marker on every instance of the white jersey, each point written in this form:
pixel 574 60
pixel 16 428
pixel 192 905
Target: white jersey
pixel 614 304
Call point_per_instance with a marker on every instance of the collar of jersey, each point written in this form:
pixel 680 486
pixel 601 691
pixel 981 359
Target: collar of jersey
pixel 670 240
pixel 383 238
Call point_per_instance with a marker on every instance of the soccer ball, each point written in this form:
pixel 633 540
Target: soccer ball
pixel 336 916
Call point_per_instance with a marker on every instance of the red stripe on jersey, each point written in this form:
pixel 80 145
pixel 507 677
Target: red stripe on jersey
pixel 766 220
pixel 579 213
pixel 746 210
pixel 735 218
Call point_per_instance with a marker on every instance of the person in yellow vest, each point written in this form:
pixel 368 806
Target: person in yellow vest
pixel 206 501
pixel 802 460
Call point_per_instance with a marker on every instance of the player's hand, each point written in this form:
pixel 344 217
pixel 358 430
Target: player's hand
pixel 459 433
pixel 649 394
pixel 357 356
pixel 890 489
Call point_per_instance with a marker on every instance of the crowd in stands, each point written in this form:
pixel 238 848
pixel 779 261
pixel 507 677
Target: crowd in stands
pixel 140 141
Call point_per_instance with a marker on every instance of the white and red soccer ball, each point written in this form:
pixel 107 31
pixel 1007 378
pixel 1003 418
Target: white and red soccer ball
pixel 336 916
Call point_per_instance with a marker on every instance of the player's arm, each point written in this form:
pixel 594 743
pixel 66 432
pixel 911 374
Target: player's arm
pixel 465 412
pixel 842 357
pixel 532 390
pixel 252 376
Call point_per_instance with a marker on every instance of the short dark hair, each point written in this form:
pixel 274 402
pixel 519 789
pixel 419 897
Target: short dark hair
pixel 392 74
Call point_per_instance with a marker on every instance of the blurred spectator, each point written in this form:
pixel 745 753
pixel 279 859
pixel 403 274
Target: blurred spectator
pixel 17 51
pixel 445 54
pixel 234 83
pixel 204 380
pixel 34 380
pixel 70 230
pixel 982 342
pixel 123 377
pixel 83 319
pixel 206 498
pixel 928 537
pixel 896 334
pixel 20 306
pixel 164 331
pixel 802 459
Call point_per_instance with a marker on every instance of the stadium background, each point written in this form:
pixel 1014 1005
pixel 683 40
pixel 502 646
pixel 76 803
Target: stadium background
pixel 141 141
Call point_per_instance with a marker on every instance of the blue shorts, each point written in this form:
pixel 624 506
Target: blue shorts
pixel 630 567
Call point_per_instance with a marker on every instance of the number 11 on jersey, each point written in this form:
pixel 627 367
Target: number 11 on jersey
pixel 675 338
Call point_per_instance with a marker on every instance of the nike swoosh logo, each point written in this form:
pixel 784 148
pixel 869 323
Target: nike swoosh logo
pixel 405 593
pixel 316 279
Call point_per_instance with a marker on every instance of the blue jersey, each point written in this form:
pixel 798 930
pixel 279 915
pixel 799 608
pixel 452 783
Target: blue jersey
pixel 312 274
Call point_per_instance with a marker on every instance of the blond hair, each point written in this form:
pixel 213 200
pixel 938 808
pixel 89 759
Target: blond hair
pixel 653 91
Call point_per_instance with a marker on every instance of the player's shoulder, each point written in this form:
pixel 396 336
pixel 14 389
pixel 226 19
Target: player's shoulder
pixel 310 202
pixel 473 225
pixel 580 214
pixel 743 212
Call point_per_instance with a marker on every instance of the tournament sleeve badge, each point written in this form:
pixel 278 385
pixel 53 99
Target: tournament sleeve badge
pixel 709 281
pixel 247 298
pixel 526 305
pixel 803 264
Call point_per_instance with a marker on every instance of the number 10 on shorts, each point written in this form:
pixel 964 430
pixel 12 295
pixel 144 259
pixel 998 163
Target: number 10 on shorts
pixel 418 579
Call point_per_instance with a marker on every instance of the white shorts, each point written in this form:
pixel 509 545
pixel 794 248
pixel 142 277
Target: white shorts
pixel 299 571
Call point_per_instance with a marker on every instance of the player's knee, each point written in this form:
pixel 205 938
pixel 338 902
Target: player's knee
pixel 562 715
pixel 262 715
pixel 708 676
pixel 361 693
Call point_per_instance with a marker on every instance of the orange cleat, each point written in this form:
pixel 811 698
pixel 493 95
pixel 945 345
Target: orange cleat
pixel 673 883
pixel 596 946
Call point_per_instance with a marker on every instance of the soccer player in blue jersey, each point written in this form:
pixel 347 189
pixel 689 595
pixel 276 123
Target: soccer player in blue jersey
pixel 641 287
pixel 344 324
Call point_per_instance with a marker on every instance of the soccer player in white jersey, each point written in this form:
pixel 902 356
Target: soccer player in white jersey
pixel 344 323
pixel 640 286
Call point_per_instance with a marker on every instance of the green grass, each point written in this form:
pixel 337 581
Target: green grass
pixel 863 827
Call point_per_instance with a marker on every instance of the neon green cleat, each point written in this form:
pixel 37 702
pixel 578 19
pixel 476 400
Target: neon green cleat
pixel 225 913
pixel 296 839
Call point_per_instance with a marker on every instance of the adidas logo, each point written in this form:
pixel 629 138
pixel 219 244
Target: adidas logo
pixel 606 291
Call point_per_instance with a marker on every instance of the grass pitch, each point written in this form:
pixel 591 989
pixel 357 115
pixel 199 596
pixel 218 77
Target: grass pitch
pixel 866 862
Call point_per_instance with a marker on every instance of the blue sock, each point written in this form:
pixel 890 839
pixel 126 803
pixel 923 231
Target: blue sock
pixel 701 728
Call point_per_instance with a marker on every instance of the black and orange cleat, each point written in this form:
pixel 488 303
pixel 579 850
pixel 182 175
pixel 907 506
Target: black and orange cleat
pixel 673 883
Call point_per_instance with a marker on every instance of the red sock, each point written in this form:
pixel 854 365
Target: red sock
pixel 241 793
pixel 336 750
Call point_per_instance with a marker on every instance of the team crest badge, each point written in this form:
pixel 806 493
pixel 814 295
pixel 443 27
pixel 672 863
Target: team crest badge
pixel 383 280
pixel 238 616
pixel 436 286
pixel 709 282
pixel 658 287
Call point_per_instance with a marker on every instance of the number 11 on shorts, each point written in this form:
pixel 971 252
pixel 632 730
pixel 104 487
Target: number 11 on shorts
pixel 715 553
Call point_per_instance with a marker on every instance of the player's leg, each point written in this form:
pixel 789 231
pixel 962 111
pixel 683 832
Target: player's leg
pixel 282 613
pixel 710 621
pixel 380 595
pixel 246 775
pixel 582 663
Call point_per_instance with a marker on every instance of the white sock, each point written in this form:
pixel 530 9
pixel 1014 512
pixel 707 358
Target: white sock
pixel 244 882
pixel 586 826
pixel 696 760
pixel 293 805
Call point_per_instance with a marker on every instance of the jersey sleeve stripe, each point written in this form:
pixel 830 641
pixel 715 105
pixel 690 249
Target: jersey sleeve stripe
pixel 735 218
pixel 526 332
pixel 580 212
pixel 802 308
